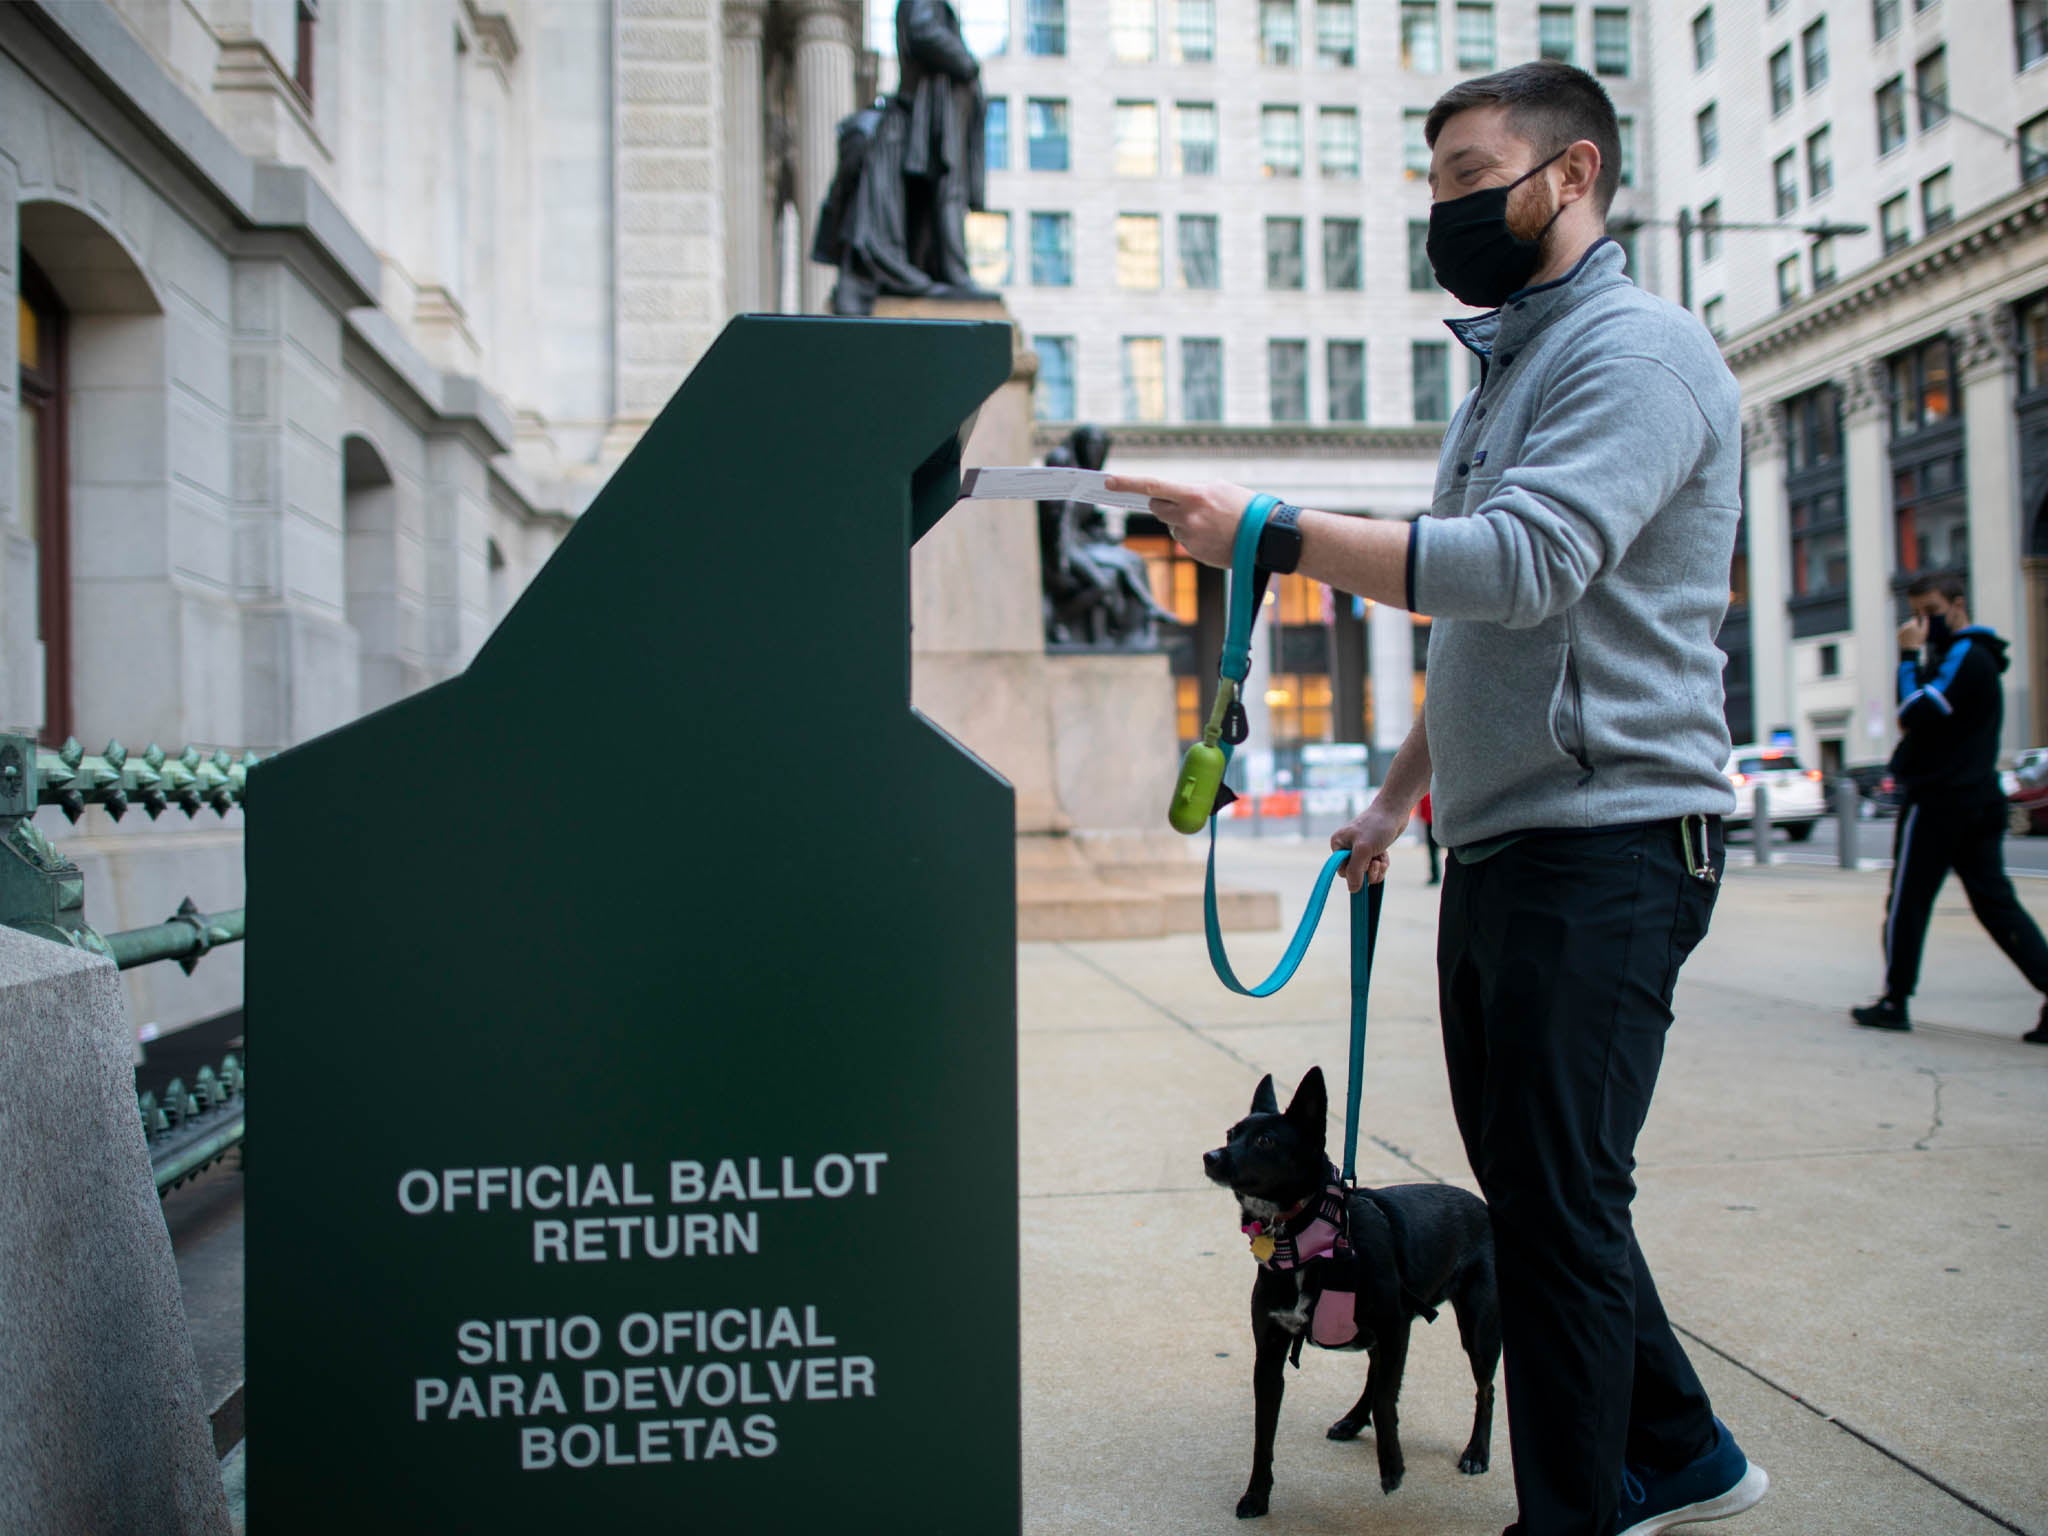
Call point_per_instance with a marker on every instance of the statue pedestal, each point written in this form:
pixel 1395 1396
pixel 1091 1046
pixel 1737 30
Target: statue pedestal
pixel 1088 740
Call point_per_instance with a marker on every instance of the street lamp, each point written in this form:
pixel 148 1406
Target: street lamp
pixel 1686 224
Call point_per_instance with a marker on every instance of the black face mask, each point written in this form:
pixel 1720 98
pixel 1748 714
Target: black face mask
pixel 1474 254
pixel 1938 632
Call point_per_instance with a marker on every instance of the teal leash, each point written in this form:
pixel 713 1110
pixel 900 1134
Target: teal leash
pixel 1246 592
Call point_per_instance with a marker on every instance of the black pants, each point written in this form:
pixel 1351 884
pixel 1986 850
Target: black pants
pixel 1556 960
pixel 1435 853
pixel 1963 831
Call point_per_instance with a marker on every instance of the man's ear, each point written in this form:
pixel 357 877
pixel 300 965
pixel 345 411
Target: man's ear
pixel 1264 1100
pixel 1310 1111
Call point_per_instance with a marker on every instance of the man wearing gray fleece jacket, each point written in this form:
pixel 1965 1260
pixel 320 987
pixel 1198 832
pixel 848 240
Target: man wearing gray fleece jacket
pixel 1575 562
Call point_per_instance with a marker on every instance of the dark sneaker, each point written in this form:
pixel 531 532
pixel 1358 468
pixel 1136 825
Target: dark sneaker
pixel 1885 1013
pixel 1721 1483
pixel 2038 1035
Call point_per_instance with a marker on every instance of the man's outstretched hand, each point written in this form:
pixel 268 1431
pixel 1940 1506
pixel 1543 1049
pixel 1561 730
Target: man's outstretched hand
pixel 1203 518
pixel 1369 837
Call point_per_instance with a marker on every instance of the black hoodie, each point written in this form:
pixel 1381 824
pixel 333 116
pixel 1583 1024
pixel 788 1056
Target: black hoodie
pixel 1951 709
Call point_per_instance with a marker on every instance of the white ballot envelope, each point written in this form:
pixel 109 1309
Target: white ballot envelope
pixel 1036 482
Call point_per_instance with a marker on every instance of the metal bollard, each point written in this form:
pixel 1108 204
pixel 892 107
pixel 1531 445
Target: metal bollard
pixel 1760 825
pixel 1848 808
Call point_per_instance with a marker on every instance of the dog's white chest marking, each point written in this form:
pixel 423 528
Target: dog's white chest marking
pixel 1295 1318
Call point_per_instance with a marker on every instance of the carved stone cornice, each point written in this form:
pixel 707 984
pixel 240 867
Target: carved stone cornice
pixel 745 20
pixel 824 21
pixel 1988 233
pixel 1986 342
pixel 1301 440
pixel 494 34
pixel 1866 389
pixel 1763 428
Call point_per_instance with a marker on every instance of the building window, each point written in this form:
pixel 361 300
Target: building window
pixel 1703 39
pixel 1194 138
pixel 1891 114
pixel 1708 124
pixel 988 249
pixel 1820 547
pixel 1421 276
pixel 1201 379
pixel 1893 221
pixel 1144 378
pixel 1280 140
pixel 1421 40
pixel 2032 323
pixel 1931 514
pixel 1557 29
pixel 1194 31
pixel 2034 148
pixel 995 133
pixel 1710 230
pixel 1786 170
pixel 1713 314
pixel 1134 31
pixel 1343 255
pixel 1055 395
pixel 985 24
pixel 1813 49
pixel 1414 146
pixel 1610 42
pixel 1831 661
pixel 2030 31
pixel 1475 37
pixel 1137 138
pixel 1279 37
pixel 1923 387
pixel 1930 78
pixel 1337 143
pixel 1287 380
pixel 1283 254
pixel 1347 380
pixel 1884 18
pixel 1336 34
pixel 1781 80
pixel 306 18
pixel 42 503
pixel 1052 251
pixel 1788 280
pixel 1045 33
pixel 1137 250
pixel 1045 126
pixel 1198 265
pixel 1937 203
pixel 1430 363
pixel 1820 162
pixel 1823 256
pixel 1627 129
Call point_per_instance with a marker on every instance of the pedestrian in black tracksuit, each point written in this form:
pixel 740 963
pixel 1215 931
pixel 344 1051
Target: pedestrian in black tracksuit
pixel 1953 814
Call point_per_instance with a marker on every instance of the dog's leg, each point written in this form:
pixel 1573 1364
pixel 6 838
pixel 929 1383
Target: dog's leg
pixel 1390 1360
pixel 1269 1382
pixel 1348 1427
pixel 1478 1308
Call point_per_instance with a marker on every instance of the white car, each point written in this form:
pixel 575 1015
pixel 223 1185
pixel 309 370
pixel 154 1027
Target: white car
pixel 1798 798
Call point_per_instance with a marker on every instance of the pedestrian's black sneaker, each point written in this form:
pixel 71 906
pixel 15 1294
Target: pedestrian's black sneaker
pixel 1885 1013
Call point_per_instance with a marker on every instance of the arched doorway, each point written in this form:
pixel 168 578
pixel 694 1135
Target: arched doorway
pixel 377 583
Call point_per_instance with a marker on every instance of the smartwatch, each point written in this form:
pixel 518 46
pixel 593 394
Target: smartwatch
pixel 1280 539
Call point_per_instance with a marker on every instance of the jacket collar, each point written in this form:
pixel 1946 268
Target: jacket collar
pixel 1528 312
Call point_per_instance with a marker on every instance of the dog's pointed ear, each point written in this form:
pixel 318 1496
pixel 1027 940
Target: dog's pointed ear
pixel 1310 1111
pixel 1264 1100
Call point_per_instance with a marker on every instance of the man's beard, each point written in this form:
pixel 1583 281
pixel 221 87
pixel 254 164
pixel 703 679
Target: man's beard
pixel 1529 219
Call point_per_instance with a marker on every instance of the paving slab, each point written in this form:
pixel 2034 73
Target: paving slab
pixel 1847 1225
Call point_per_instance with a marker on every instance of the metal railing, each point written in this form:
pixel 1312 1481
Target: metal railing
pixel 191 1129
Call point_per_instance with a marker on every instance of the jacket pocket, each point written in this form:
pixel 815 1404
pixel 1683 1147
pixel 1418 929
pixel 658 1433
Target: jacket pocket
pixel 1568 711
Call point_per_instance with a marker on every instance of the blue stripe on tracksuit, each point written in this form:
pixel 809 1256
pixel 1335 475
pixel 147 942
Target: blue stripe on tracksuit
pixel 1935 691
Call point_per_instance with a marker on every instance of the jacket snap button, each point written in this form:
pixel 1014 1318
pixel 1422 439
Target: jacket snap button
pixel 1462 468
pixel 1507 360
pixel 1481 412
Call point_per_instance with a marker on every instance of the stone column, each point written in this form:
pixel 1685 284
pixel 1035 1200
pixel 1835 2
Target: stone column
pixel 1770 550
pixel 745 159
pixel 1392 662
pixel 1985 357
pixel 1872 609
pixel 825 42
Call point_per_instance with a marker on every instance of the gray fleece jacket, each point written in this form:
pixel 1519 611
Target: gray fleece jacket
pixel 1575 562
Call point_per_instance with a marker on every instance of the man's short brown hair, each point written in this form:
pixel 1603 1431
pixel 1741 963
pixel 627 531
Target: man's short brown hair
pixel 1951 587
pixel 1552 105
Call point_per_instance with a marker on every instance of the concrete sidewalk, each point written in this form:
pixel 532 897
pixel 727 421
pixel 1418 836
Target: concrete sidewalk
pixel 1848 1226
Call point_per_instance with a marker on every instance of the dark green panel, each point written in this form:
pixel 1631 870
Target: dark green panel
pixel 583 935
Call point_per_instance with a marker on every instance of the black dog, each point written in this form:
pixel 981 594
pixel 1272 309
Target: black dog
pixel 1400 1251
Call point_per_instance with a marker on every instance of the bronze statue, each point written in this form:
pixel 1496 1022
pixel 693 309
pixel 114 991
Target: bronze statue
pixel 910 168
pixel 1098 593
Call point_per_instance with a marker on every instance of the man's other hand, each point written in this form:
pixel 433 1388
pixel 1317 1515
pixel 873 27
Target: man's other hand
pixel 1202 518
pixel 1912 633
pixel 1369 837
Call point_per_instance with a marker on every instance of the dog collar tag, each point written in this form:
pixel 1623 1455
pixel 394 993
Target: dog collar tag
pixel 1262 1247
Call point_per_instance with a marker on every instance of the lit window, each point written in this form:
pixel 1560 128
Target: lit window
pixel 1134 31
pixel 1137 138
pixel 985 24
pixel 1144 378
pixel 988 249
pixel 1137 250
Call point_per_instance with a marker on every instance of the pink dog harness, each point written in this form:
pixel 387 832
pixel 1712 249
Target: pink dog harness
pixel 1290 1242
